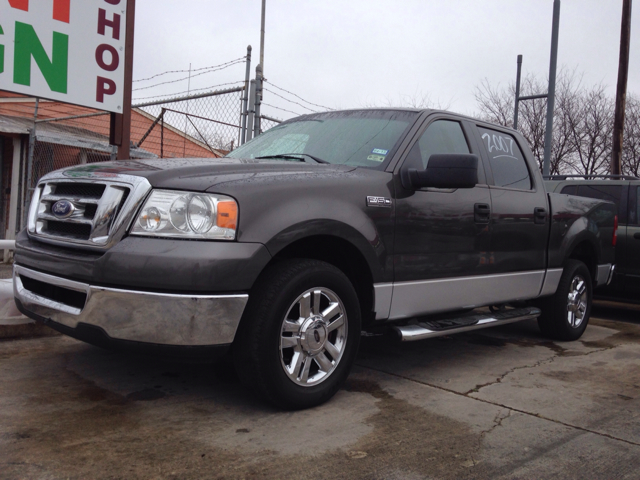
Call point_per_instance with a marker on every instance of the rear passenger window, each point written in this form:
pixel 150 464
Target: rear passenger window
pixel 507 161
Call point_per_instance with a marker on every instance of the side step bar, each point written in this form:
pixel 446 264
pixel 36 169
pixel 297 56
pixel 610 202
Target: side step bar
pixel 465 323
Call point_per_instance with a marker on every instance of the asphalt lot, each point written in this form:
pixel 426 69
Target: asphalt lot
pixel 499 403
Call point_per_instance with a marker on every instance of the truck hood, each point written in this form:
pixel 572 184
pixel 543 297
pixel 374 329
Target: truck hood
pixel 201 174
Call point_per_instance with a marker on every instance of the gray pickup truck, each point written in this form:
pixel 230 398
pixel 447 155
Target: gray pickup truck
pixel 282 253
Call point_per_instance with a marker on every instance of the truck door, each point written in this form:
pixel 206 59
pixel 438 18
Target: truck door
pixel 442 236
pixel 520 217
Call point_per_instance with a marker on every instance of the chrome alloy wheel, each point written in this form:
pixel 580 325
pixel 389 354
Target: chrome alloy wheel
pixel 577 301
pixel 313 337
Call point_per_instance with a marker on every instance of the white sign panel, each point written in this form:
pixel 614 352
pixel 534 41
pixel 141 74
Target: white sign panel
pixel 67 50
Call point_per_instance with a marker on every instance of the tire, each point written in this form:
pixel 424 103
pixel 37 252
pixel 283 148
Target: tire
pixel 299 334
pixel 565 315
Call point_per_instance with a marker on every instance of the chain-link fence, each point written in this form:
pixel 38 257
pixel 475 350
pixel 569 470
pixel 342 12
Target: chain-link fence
pixel 268 122
pixel 206 125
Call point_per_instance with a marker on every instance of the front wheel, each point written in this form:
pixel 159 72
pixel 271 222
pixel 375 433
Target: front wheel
pixel 565 315
pixel 300 333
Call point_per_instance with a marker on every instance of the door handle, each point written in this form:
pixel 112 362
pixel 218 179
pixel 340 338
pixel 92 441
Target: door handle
pixel 539 215
pixel 481 213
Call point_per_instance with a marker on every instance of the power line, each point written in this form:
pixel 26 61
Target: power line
pixel 185 71
pixel 185 78
pixel 298 96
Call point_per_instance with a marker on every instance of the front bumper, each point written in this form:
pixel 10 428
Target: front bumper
pixel 129 315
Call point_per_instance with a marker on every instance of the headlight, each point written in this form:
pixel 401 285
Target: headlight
pixel 169 213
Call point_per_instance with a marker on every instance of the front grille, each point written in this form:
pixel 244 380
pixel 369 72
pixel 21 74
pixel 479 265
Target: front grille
pixel 91 212
pixel 93 209
pixel 71 230
pixel 81 190
pixel 63 295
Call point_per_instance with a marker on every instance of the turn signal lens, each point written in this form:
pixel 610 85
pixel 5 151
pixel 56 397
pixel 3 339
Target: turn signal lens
pixel 151 219
pixel 227 215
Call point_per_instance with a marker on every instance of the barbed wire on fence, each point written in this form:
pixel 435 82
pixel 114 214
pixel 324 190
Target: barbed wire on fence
pixel 297 96
pixel 229 63
pixel 192 90
pixel 186 78
pixel 283 109
pixel 290 101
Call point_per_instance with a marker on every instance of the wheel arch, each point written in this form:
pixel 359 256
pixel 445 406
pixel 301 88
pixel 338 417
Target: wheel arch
pixel 342 254
pixel 586 252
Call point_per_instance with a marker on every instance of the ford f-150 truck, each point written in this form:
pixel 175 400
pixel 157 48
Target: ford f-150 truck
pixel 283 252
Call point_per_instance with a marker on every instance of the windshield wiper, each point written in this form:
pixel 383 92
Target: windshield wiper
pixel 292 156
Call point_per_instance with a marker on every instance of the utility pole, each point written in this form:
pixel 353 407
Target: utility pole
pixel 551 99
pixel 621 94
pixel 264 6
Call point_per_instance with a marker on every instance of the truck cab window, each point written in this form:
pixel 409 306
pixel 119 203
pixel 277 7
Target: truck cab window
pixel 442 136
pixel 506 159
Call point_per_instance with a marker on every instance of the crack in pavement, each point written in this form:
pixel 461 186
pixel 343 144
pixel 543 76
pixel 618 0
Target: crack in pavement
pixel 497 422
pixel 512 409
pixel 477 388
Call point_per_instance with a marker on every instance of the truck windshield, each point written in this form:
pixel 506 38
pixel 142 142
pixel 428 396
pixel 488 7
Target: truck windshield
pixel 363 138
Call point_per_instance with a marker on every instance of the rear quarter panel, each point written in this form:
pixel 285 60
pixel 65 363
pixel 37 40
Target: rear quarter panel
pixel 575 220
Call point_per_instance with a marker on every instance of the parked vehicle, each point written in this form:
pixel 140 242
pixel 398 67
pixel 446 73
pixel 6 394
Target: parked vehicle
pixel 623 191
pixel 326 225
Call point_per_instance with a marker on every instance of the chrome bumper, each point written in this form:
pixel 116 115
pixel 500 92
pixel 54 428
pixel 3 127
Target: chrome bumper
pixel 158 318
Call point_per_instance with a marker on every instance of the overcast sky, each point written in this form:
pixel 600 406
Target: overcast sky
pixel 356 53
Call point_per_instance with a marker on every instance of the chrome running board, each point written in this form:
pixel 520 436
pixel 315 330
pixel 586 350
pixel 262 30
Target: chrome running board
pixel 465 323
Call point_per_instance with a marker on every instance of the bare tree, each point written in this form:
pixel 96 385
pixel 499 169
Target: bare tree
pixel 591 130
pixel 583 121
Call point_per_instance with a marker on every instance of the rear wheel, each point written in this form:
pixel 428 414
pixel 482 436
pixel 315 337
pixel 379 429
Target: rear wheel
pixel 300 333
pixel 565 315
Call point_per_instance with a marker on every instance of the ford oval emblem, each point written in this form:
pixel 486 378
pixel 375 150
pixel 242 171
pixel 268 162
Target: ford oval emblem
pixel 62 209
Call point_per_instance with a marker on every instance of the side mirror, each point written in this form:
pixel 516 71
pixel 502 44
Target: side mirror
pixel 446 170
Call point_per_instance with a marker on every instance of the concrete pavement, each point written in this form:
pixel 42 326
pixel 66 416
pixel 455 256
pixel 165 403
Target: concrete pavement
pixel 499 403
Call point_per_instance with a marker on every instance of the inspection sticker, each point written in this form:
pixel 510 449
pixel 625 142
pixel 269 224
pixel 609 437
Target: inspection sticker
pixel 376 158
pixel 379 151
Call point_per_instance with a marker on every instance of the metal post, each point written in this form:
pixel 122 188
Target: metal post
pixel 245 99
pixel 517 103
pixel 162 133
pixel 551 99
pixel 264 6
pixel 124 152
pixel 251 112
pixel 32 147
pixel 256 121
pixel 621 93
